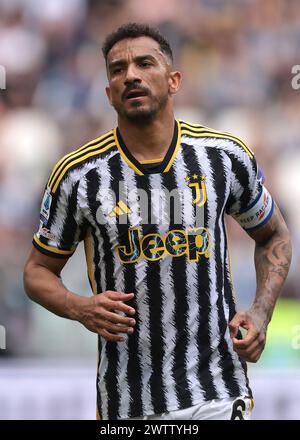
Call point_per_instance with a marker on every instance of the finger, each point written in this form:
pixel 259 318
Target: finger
pixel 119 296
pixel 109 304
pixel 250 337
pixel 116 318
pixel 235 323
pixel 110 337
pixel 256 345
pixel 256 355
pixel 118 305
pixel 253 356
pixel 115 328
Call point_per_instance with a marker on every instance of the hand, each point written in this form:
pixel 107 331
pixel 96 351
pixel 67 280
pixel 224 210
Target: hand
pixel 101 314
pixel 251 346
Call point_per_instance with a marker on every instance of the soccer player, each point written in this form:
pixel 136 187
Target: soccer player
pixel 149 198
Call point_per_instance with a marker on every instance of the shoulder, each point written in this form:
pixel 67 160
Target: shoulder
pixel 79 161
pixel 201 135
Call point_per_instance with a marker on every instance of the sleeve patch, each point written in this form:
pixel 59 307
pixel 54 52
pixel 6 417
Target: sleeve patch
pixel 46 233
pixel 46 205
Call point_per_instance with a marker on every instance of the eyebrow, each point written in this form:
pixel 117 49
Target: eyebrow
pixel 122 61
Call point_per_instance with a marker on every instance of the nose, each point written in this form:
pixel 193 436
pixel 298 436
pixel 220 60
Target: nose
pixel 132 75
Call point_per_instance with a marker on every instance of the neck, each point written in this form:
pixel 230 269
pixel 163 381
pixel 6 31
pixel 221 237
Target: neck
pixel 149 141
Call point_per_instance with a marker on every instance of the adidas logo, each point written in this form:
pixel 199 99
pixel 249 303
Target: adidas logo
pixel 120 209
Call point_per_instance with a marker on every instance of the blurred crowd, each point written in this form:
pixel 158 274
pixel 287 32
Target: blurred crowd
pixel 236 57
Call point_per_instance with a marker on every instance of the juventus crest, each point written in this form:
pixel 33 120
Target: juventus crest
pixel 197 183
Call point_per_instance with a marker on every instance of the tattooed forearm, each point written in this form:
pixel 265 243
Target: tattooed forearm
pixel 273 259
pixel 272 262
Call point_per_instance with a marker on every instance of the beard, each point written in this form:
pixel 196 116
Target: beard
pixel 140 114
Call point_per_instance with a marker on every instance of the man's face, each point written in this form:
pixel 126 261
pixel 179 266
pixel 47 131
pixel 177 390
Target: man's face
pixel 140 79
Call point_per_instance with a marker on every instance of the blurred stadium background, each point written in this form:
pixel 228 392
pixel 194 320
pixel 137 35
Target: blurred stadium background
pixel 237 57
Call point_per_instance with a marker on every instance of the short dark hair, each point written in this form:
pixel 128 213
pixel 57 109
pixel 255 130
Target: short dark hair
pixel 135 30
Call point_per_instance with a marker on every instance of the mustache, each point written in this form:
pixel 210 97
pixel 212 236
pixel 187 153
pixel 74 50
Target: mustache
pixel 134 87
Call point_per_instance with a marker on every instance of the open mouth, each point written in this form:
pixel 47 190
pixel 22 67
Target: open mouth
pixel 135 94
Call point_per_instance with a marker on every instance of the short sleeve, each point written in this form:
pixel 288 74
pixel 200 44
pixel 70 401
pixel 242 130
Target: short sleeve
pixel 249 201
pixel 61 226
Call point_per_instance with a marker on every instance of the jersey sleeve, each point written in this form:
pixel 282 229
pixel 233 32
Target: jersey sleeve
pixel 249 201
pixel 61 226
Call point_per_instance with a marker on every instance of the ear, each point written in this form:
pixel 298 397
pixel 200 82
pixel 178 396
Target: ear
pixel 108 94
pixel 174 82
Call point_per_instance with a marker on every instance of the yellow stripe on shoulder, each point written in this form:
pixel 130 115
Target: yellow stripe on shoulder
pixel 74 161
pixel 202 131
pixel 91 144
pixel 53 249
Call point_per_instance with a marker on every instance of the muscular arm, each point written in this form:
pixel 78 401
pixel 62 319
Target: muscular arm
pixel 272 261
pixel 99 314
pixel 43 284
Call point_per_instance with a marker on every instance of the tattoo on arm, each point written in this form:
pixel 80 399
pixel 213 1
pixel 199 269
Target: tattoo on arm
pixel 272 261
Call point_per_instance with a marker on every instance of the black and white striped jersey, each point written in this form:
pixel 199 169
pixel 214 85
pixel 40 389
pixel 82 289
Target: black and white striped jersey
pixel 158 230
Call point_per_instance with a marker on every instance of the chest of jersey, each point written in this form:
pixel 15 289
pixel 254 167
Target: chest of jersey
pixel 159 214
